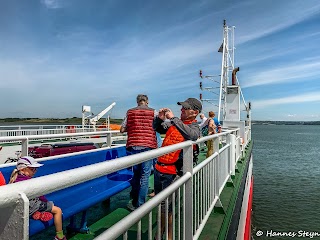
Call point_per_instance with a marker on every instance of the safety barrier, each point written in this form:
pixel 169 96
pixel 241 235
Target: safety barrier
pixel 24 140
pixel 206 181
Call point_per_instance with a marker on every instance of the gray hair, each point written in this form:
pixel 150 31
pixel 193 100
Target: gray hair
pixel 142 98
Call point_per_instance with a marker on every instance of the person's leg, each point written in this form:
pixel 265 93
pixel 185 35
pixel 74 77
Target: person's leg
pixel 144 181
pixel 161 181
pixel 154 161
pixel 210 148
pixel 170 226
pixel 135 181
pixel 135 184
pixel 57 218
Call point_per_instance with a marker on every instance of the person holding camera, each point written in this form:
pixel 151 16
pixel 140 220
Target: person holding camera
pixel 177 130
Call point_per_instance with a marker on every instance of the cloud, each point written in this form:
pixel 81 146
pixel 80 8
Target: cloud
pixel 308 97
pixel 282 19
pixel 302 71
pixel 52 4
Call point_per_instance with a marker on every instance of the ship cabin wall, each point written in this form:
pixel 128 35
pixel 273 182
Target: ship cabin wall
pixel 233 103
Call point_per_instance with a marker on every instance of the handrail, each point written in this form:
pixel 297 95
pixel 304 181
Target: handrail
pixel 61 135
pixel 25 139
pixel 14 193
pixel 53 182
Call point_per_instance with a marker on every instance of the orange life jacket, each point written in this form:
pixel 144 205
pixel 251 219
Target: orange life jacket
pixel 166 163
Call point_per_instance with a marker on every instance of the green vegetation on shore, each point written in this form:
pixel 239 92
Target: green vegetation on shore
pixel 286 122
pixel 78 121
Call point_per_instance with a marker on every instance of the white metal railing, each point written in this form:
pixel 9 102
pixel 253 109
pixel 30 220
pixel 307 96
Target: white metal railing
pixel 24 140
pixel 194 194
pixel 24 130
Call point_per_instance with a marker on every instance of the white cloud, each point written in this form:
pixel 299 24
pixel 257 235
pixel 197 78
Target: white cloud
pixel 281 19
pixel 301 71
pixel 51 4
pixel 308 97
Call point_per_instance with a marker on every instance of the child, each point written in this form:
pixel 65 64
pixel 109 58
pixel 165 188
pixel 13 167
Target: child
pixel 40 208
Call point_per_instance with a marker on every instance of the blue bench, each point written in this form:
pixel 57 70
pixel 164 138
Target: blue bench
pixel 80 197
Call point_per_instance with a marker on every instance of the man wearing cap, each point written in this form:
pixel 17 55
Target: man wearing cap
pixel 177 130
pixel 138 124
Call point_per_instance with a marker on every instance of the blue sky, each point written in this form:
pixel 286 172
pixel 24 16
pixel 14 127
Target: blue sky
pixel 57 55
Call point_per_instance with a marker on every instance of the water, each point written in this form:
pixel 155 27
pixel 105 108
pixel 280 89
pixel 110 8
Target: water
pixel 286 180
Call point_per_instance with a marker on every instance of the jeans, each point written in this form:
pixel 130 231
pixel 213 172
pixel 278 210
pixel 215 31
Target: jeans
pixel 140 180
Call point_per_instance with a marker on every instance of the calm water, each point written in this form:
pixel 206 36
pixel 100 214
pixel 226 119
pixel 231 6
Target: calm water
pixel 286 180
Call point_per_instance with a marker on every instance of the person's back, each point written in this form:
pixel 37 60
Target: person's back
pixel 203 120
pixel 218 125
pixel 141 137
pixel 139 127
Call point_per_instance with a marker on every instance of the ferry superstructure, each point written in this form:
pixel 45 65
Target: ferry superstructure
pixel 212 200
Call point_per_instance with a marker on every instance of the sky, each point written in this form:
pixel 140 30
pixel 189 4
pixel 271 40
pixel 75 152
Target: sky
pixel 58 55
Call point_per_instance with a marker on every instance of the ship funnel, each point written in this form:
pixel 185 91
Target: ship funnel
pixel 234 80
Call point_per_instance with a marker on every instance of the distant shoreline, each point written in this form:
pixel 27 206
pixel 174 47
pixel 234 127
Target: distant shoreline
pixel 78 121
pixel 286 122
pixel 43 121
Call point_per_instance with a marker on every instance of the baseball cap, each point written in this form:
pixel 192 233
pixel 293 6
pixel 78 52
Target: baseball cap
pixel 192 103
pixel 27 161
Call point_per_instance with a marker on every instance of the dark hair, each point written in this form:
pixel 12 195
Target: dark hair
pixel 142 98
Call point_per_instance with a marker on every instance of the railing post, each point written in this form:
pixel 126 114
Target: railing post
pixel 14 220
pixel 24 147
pixel 188 213
pixel 216 172
pixel 233 154
pixel 109 141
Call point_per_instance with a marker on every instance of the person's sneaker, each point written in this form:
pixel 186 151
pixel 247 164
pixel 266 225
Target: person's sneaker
pixel 46 216
pixel 36 215
pixel 130 206
pixel 57 238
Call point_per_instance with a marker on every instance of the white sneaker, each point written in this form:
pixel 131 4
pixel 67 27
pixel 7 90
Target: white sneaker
pixel 130 206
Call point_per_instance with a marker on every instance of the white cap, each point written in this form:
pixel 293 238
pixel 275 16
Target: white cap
pixel 27 161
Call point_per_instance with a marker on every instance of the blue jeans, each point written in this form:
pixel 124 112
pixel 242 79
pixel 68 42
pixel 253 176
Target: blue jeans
pixel 159 143
pixel 140 180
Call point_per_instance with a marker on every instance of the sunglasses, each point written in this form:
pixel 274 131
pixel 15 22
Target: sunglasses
pixel 187 108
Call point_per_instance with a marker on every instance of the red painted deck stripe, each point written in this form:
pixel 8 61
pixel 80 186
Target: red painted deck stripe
pixel 247 229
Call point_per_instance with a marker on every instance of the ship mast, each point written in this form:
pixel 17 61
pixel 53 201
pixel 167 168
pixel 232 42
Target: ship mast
pixel 227 65
pixel 229 91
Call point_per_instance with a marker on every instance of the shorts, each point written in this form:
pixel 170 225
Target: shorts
pixel 46 206
pixel 162 181
pixel 37 205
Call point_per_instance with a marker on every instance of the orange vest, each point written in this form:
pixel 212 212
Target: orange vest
pixel 166 163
